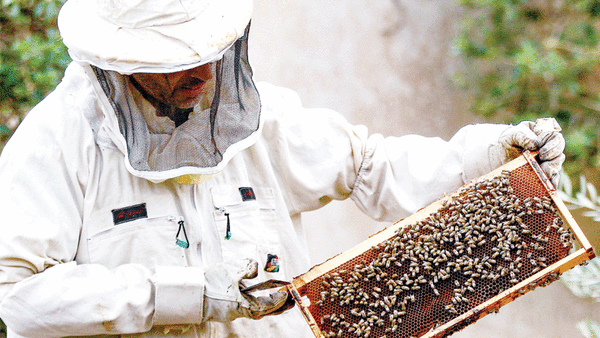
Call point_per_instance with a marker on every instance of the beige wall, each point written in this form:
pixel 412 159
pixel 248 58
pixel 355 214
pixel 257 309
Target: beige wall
pixel 381 64
pixel 386 64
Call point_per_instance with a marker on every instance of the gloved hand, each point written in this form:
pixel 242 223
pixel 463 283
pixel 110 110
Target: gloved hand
pixel 223 300
pixel 543 135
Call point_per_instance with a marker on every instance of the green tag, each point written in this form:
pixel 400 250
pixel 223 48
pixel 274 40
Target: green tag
pixel 183 244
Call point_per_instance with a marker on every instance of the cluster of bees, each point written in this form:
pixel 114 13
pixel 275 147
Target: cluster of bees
pixel 479 243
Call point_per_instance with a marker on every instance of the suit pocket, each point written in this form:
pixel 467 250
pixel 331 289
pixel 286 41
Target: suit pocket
pixel 248 229
pixel 150 242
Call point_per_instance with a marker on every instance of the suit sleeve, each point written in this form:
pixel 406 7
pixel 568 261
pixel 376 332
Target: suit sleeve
pixel 322 157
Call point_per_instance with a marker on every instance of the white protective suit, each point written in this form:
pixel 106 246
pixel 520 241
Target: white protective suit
pixel 77 257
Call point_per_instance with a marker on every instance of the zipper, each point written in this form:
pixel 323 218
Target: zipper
pixel 132 225
pixel 226 211
pixel 223 211
pixel 181 239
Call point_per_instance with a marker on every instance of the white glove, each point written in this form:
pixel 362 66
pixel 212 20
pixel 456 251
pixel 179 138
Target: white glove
pixel 543 135
pixel 223 300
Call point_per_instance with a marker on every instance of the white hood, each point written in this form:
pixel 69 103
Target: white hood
pixel 221 125
pixel 151 36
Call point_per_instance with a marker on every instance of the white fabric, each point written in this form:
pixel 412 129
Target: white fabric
pixel 179 294
pixel 67 270
pixel 152 36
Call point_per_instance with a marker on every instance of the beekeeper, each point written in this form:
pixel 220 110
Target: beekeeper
pixel 157 180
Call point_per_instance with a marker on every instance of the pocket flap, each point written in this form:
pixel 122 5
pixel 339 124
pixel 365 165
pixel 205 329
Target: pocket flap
pixel 224 196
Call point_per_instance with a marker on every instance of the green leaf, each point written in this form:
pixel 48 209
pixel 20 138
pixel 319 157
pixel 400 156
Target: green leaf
pixel 589 328
pixel 582 185
pixel 592 193
pixel 565 184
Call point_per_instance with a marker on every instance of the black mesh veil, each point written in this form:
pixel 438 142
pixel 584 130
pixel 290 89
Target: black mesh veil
pixel 235 91
pixel 227 115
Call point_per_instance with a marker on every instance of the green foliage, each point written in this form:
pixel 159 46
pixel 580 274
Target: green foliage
pixel 536 59
pixel 32 58
pixel 583 280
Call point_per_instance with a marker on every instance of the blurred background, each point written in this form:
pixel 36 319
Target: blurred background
pixel 400 67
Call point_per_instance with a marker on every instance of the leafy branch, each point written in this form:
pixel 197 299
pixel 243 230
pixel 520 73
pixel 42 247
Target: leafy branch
pixel 583 281
pixel 586 197
pixel 589 328
pixel 534 58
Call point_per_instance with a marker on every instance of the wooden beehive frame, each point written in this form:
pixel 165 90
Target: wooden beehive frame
pixel 582 252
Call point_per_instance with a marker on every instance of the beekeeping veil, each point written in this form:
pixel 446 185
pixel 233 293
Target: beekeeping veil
pixel 121 37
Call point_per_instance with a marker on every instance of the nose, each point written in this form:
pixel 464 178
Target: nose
pixel 203 72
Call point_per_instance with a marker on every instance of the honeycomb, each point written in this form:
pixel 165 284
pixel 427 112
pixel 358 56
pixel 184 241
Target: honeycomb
pixel 490 235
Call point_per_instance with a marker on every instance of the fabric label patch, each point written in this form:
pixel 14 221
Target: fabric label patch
pixel 272 263
pixel 247 194
pixel 130 213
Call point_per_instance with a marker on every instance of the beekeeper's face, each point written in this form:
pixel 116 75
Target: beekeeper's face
pixel 182 89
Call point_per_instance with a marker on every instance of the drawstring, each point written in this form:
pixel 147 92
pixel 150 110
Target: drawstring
pixel 214 107
pixel 184 244
pixel 228 232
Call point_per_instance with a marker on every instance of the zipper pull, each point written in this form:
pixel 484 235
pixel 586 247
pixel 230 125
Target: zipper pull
pixel 184 244
pixel 228 231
